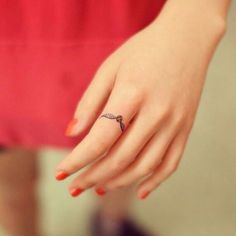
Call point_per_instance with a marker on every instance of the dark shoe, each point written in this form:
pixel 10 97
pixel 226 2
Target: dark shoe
pixel 122 228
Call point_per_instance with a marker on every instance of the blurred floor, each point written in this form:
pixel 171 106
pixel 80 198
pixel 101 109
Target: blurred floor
pixel 200 198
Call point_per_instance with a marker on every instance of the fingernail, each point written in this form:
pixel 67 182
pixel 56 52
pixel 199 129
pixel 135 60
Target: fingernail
pixel 70 127
pixel 76 192
pixel 144 194
pixel 100 191
pixel 61 175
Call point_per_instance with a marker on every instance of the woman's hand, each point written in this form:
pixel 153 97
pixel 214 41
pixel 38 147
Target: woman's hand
pixel 154 81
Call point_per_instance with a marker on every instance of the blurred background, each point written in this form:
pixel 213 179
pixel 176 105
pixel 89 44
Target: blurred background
pixel 200 198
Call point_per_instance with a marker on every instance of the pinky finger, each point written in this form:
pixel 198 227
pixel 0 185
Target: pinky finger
pixel 167 167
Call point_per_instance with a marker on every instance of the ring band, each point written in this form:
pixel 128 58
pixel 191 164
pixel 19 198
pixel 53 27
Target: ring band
pixel 118 118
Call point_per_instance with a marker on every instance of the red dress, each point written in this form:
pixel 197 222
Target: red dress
pixel 49 52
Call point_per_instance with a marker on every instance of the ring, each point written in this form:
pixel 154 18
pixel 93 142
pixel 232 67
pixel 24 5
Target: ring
pixel 118 118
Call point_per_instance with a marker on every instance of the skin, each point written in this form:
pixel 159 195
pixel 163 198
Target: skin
pixel 18 191
pixel 154 80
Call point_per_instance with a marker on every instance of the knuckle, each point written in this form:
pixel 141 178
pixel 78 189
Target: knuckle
pixel 178 118
pixel 134 95
pixel 115 186
pixel 156 118
pixel 171 168
pixel 151 184
pixel 146 170
pixel 88 181
pixel 114 166
pixel 120 163
pixel 74 166
pixel 98 148
pixel 164 111
pixel 131 91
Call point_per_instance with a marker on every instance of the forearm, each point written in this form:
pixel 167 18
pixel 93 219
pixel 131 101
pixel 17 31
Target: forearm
pixel 211 10
pixel 193 25
pixel 215 7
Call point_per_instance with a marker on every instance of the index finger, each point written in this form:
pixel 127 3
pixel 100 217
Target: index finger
pixel 121 107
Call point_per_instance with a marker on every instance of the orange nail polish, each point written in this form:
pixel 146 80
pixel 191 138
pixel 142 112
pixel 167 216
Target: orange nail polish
pixel 100 191
pixel 61 175
pixel 70 127
pixel 144 194
pixel 76 192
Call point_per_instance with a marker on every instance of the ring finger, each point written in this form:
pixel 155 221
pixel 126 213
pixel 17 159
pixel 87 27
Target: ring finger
pixel 147 161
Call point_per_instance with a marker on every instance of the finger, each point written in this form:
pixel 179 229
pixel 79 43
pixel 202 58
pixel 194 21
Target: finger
pixel 104 132
pixel 147 161
pixel 123 153
pixel 166 168
pixel 93 99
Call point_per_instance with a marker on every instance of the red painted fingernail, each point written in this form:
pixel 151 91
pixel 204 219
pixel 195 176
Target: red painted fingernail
pixel 61 175
pixel 70 127
pixel 144 194
pixel 76 192
pixel 100 191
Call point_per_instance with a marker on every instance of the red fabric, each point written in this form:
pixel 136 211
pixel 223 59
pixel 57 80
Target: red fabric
pixel 49 51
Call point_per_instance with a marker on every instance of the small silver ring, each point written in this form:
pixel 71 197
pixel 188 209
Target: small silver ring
pixel 118 118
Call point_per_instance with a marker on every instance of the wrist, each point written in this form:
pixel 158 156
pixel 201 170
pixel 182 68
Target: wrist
pixel 188 26
pixel 200 16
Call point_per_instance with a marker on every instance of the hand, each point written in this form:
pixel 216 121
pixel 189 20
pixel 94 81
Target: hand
pixel 154 81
